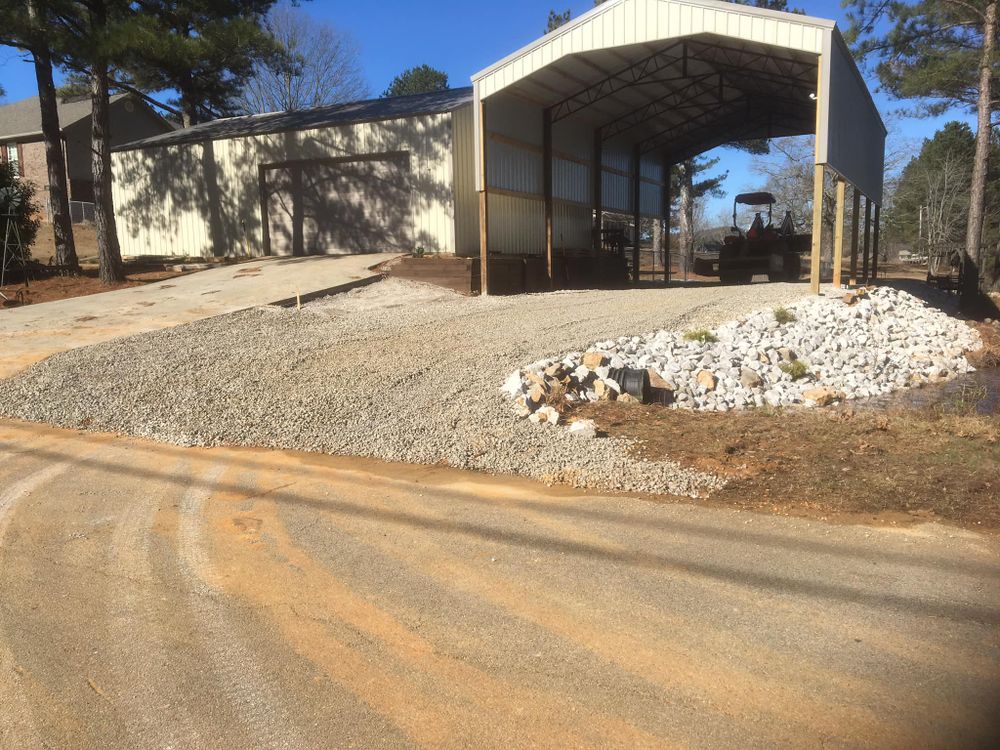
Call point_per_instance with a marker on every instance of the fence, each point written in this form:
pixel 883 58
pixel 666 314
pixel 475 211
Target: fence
pixel 79 212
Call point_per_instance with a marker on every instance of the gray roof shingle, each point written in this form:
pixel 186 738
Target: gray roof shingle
pixel 24 118
pixel 370 110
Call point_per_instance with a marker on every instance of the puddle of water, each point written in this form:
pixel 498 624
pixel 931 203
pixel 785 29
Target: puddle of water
pixel 977 391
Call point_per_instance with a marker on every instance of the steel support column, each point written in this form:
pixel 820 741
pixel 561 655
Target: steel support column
pixel 665 240
pixel 838 233
pixel 597 175
pixel 636 208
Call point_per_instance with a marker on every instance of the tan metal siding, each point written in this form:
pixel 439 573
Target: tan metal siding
pixel 466 199
pixel 851 137
pixel 197 199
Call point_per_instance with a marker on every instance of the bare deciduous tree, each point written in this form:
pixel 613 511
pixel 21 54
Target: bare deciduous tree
pixel 320 67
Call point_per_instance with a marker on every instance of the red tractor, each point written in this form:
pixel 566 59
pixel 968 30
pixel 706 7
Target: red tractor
pixel 763 248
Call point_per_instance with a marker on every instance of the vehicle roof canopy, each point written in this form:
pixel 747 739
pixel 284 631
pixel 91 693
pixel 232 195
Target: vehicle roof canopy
pixel 756 199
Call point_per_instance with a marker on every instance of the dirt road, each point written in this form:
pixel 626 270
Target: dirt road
pixel 153 596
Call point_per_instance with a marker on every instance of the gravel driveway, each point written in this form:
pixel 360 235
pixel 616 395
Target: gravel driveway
pixel 396 371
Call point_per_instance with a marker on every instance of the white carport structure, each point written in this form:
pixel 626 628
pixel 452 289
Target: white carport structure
pixel 590 117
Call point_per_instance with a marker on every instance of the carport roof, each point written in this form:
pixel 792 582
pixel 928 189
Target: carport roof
pixel 369 110
pixel 679 77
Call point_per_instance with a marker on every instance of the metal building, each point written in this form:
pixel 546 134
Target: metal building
pixel 583 121
pixel 368 176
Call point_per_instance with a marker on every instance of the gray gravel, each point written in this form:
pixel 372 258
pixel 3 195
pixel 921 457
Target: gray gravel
pixel 396 371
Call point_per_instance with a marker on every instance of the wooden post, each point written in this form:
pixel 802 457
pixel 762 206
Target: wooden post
pixel 838 233
pixel 868 215
pixel 875 245
pixel 818 177
pixel 817 229
pixel 298 248
pixel 547 189
pixel 855 224
pixel 265 222
pixel 636 206
pixel 484 223
pixel 597 174
pixel 666 221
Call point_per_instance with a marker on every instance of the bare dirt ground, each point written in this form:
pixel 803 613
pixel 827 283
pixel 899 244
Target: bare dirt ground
pixel 84 236
pixel 932 454
pixel 156 596
pixel 77 285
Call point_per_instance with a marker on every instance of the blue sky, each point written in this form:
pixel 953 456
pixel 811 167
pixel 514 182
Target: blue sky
pixel 462 37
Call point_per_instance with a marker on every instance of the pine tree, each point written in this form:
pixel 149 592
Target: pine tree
pixel 690 184
pixel 556 20
pixel 942 53
pixel 418 80
pixel 202 49
pixel 27 27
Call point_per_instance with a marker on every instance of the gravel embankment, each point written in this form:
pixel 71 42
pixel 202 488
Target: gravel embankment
pixel 819 350
pixel 396 371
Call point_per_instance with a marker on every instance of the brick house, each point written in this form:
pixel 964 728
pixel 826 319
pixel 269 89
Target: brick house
pixel 21 138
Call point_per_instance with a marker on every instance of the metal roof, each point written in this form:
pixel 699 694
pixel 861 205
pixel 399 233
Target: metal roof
pixel 679 77
pixel 369 110
pixel 23 119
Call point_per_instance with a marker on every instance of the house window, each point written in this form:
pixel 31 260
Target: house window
pixel 12 158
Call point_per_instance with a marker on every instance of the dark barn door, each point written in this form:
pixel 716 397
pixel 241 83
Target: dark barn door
pixel 339 206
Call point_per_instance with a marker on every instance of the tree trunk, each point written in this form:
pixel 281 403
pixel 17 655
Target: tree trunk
pixel 685 222
pixel 972 266
pixel 62 225
pixel 109 254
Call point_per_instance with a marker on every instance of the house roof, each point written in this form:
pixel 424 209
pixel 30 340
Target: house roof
pixel 369 110
pixel 24 118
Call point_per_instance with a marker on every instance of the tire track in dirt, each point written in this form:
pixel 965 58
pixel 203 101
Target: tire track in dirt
pixel 17 724
pixel 717 687
pixel 780 666
pixel 257 703
pixel 140 656
pixel 448 702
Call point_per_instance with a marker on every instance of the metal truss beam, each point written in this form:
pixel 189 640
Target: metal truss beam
pixel 622 79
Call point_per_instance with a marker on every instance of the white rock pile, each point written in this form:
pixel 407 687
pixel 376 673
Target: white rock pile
pixel 860 345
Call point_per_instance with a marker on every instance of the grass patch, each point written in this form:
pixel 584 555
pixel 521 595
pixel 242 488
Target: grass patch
pixel 784 316
pixel 796 369
pixel 701 335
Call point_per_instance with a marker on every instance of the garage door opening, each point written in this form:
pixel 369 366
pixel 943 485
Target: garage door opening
pixel 337 206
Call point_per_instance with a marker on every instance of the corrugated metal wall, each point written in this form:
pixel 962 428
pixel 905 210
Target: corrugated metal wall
pixel 515 180
pixel 203 199
pixel 466 198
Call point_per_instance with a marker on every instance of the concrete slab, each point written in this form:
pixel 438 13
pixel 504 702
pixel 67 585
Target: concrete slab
pixel 29 334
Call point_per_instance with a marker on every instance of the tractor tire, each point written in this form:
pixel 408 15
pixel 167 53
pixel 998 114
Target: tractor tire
pixel 736 277
pixel 793 267
pixel 784 267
